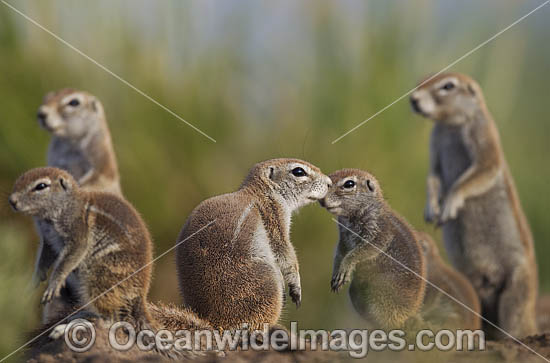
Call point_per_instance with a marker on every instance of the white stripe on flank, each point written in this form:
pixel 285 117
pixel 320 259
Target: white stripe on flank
pixel 113 247
pixel 240 222
pixel 112 218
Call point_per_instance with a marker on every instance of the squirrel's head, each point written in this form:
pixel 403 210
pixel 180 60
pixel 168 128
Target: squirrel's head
pixel 71 114
pixel 295 181
pixel 451 98
pixel 42 192
pixel 352 190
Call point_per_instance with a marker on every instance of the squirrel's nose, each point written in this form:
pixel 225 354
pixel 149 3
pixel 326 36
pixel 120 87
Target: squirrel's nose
pixel 13 203
pixel 42 116
pixel 414 103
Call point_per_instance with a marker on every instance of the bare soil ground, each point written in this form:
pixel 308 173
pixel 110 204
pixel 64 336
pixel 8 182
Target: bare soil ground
pixel 47 350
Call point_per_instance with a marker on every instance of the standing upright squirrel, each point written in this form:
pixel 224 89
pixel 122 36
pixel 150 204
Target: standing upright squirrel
pixel 378 252
pixel 471 193
pixel 81 145
pixel 234 253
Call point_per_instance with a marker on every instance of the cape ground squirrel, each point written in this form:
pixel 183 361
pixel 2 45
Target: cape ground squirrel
pixel 472 194
pixel 438 308
pixel 104 239
pixel 234 271
pixel 81 141
pixel 81 144
pixel 385 293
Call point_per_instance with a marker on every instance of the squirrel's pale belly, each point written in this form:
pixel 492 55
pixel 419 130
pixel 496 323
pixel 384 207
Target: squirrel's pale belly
pixel 47 230
pixel 484 222
pixel 71 159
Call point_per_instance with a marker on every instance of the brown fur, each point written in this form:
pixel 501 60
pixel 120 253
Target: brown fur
pixel 176 318
pixel 104 239
pixel 472 194
pixel 382 291
pixel 80 144
pixel 439 308
pixel 234 271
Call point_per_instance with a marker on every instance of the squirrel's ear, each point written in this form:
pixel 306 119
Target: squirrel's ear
pixel 370 185
pixel 268 173
pixel 96 106
pixel 471 89
pixel 65 184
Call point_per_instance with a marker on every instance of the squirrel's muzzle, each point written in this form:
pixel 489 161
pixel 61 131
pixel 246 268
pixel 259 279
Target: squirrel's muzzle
pixel 13 203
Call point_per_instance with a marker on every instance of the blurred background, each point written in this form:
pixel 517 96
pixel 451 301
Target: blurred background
pixel 265 79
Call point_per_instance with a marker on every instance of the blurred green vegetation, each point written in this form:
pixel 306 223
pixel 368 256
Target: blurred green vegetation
pixel 265 80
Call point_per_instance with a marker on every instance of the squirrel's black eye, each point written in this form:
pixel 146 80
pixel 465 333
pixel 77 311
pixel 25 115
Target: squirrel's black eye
pixel 298 172
pixel 74 102
pixel 448 86
pixel 41 186
pixel 349 184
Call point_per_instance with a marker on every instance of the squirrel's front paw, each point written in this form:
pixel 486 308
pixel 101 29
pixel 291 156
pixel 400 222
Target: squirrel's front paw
pixel 52 291
pixel 48 295
pixel 452 205
pixel 295 292
pixel 432 212
pixel 343 276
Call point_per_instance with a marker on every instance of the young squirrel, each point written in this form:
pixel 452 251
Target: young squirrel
pixel 104 240
pixel 374 246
